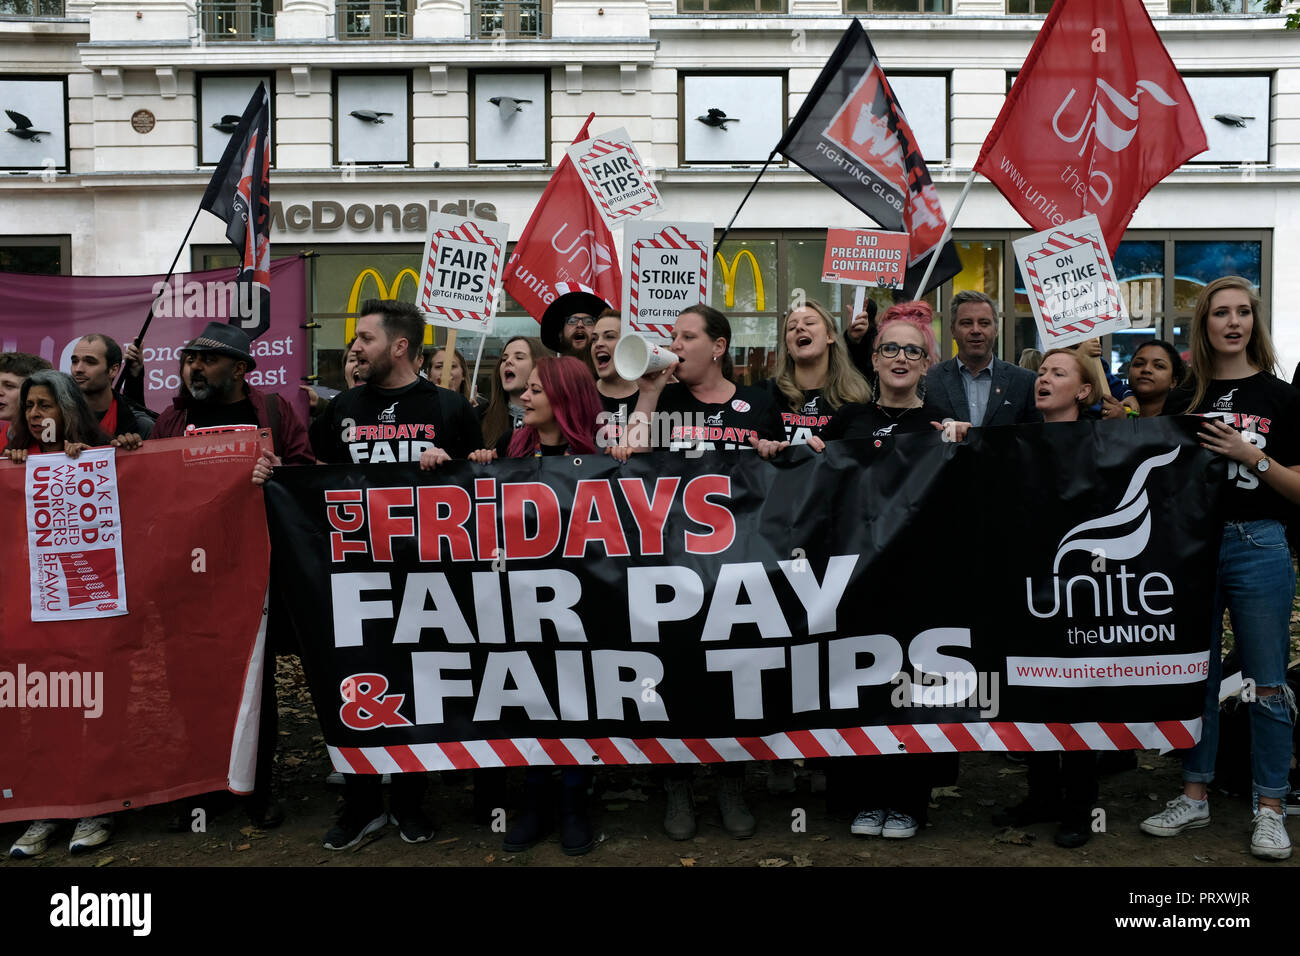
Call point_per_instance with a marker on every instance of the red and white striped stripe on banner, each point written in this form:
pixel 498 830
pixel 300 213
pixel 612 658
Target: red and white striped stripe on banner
pixel 602 147
pixel 468 232
pixel 1058 242
pixel 847 742
pixel 670 238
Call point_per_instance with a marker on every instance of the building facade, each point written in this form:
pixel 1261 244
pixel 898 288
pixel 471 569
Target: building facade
pixel 384 110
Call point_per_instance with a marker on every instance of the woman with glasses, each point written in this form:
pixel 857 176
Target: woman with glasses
pixel 815 376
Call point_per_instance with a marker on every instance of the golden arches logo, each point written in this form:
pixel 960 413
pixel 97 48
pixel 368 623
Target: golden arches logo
pixel 729 279
pixel 354 297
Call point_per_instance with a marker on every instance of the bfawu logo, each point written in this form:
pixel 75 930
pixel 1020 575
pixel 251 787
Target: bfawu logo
pixel 77 909
pixel 1224 402
pixel 1119 536
pixel 389 415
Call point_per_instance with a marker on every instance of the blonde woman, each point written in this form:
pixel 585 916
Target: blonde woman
pixel 815 377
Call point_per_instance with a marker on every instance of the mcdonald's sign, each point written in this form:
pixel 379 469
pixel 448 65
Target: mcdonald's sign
pixel 728 273
pixel 384 292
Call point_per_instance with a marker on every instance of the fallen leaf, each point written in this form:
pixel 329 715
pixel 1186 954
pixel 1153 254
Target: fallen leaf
pixel 1011 771
pixel 636 795
pixel 774 861
pixel 1147 766
pixel 446 841
pixel 292 761
pixel 247 831
pixel 821 838
pixel 802 860
pixel 1017 837
pixel 616 806
pixel 243 846
pixel 1203 859
pixel 945 792
pixel 1153 796
pixel 490 858
pixel 687 861
pixel 106 860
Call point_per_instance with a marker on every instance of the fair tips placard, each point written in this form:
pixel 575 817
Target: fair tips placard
pixel 460 274
pixel 612 172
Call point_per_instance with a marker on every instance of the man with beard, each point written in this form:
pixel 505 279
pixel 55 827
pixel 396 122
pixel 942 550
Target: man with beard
pixel 96 362
pixel 395 416
pixel 569 321
pixel 213 393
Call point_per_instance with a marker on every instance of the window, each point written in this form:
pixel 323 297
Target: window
pixel 372 118
pixel 237 20
pixel 373 20
pixel 895 6
pixel 509 117
pixel 1039 7
pixel 37 108
pixel 36 255
pixel 31 8
pixel 511 18
pixel 1217 6
pixel 731 6
pixel 729 117
pixel 222 99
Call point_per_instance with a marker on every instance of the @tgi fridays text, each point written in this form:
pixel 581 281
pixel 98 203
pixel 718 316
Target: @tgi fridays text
pixel 503 526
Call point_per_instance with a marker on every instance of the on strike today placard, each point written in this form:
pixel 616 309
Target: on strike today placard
pixel 668 268
pixel 1071 282
pixel 461 271
pixel 74 536
pixel 615 177
pixel 865 257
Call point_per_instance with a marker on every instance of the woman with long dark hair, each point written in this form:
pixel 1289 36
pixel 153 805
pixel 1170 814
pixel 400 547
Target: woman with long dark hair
pixel 504 413
pixel 1252 418
pixel 1155 370
pixel 561 408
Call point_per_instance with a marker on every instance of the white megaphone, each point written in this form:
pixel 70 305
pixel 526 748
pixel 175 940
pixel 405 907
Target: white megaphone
pixel 635 356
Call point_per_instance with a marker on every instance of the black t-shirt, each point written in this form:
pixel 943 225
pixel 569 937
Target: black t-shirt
pixel 212 415
pixel 370 424
pixel 618 409
pixel 812 418
pixel 869 420
pixel 1268 410
pixel 690 423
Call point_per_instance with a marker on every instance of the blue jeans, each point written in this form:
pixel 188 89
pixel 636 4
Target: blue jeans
pixel 1256 583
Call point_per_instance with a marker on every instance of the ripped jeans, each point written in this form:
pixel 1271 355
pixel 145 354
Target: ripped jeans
pixel 1256 583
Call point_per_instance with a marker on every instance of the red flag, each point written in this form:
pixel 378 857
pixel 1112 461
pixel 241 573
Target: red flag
pixel 565 241
pixel 1097 117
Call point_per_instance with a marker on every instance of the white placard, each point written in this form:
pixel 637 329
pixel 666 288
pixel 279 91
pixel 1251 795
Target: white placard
pixel 668 268
pixel 74 536
pixel 460 274
pixel 1071 283
pixel 615 177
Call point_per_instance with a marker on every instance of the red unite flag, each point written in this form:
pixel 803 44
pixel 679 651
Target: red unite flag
pixel 566 240
pixel 1097 116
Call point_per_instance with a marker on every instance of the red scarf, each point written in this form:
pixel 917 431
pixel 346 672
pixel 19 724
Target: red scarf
pixel 109 422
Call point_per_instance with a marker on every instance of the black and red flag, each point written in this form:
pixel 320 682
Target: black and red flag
pixel 240 194
pixel 851 134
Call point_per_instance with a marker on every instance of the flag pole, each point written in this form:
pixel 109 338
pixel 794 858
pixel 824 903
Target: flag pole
pixel 718 245
pixel 139 338
pixel 947 234
pixel 473 382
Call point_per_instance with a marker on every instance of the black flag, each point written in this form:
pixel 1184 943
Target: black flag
pixel 851 134
pixel 240 193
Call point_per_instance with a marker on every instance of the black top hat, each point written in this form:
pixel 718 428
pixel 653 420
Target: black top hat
pixel 571 298
pixel 224 339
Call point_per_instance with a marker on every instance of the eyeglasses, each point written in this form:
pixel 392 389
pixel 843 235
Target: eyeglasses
pixel 913 353
pixel 586 320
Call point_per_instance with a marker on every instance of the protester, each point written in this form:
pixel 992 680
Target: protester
pixel 1110 402
pixel 1155 370
pixel 569 320
pixel 561 417
pixel 14 369
pixel 617 394
pixel 96 362
pixel 860 335
pixel 1030 359
pixel 435 425
pixel 459 381
pixel 703 408
pixel 317 402
pixel 976 386
pixel 814 375
pixel 1233 386
pixel 1062 786
pixel 504 413
pixel 56 419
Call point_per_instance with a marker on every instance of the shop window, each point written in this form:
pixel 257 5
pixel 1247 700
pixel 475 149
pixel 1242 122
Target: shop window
pixel 36 255
pixel 897 6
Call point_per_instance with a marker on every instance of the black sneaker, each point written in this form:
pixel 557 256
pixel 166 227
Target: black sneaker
pixel 414 826
pixel 353 827
pixel 1073 833
pixel 1027 813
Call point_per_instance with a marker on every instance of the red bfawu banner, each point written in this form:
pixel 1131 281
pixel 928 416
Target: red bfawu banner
pixel 566 240
pixel 163 702
pixel 1097 116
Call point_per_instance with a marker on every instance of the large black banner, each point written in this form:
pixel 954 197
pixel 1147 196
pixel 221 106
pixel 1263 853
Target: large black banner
pixel 1041 587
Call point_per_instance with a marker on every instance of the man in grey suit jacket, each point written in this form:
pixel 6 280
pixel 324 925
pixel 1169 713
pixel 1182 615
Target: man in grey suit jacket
pixel 976 386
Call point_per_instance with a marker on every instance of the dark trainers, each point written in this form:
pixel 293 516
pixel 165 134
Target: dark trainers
pixel 413 826
pixel 1027 813
pixel 527 830
pixel 679 815
pixel 353 827
pixel 736 818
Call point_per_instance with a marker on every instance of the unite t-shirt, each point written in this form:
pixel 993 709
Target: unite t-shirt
pixel 618 410
pixel 812 418
pixel 371 424
pixel 688 423
pixel 1266 410
pixel 870 420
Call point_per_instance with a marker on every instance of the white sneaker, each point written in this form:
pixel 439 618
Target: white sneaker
pixel 868 823
pixel 90 833
pixel 34 840
pixel 1177 816
pixel 1269 841
pixel 899 826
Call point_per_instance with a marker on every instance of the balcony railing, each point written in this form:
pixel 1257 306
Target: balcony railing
pixel 236 20
pixel 374 20
pixel 511 18
pixel 31 8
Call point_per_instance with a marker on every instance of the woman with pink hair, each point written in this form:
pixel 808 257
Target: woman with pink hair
pixel 561 407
